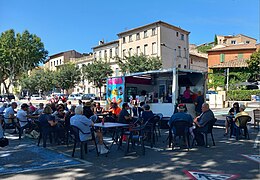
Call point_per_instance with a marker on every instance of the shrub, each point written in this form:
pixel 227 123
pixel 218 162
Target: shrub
pixel 241 95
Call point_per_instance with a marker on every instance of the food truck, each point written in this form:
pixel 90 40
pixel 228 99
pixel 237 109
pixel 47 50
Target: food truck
pixel 161 89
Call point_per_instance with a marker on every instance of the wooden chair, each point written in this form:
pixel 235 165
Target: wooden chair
pixel 256 117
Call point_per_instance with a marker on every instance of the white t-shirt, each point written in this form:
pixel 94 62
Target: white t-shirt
pixel 21 115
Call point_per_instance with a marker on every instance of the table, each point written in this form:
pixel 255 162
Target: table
pixel 115 127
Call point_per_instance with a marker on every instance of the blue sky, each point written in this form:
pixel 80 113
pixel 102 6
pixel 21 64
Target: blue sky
pixel 79 24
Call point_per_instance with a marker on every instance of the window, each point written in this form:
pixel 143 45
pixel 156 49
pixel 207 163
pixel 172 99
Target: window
pixel 185 66
pixel 138 50
pixel 233 42
pixel 137 36
pixel 247 42
pixel 191 60
pixel 123 39
pixel 60 61
pixel 95 56
pixel 105 54
pixel 146 49
pixel 177 34
pixel 130 38
pixel 116 52
pixel 185 53
pixel 222 58
pixel 153 31
pixel 57 63
pixel 124 53
pixel 145 34
pixel 130 51
pixel 179 65
pixel 53 63
pixel 240 56
pixel 99 55
pixel 179 51
pixel 154 49
pixel 110 53
pixel 182 37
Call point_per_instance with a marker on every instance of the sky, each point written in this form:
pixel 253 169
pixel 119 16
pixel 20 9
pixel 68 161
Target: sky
pixel 79 24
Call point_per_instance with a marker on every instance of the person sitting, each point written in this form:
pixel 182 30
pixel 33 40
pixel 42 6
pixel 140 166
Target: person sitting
pixel 2 108
pixel 98 109
pixel 47 123
pixel 200 122
pixel 181 115
pixel 32 108
pixel 241 113
pixel 187 95
pixel 84 124
pixel 22 115
pixel 59 114
pixel 40 109
pixel 147 113
pixel 115 111
pixel 9 117
pixel 87 111
pixel 230 118
pixel 124 116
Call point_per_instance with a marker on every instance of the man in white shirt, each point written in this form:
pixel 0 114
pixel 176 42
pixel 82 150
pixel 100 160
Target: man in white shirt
pixel 9 117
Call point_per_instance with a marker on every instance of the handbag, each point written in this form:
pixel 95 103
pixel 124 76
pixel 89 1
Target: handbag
pixel 4 142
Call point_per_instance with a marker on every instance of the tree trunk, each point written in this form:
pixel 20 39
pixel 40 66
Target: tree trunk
pixel 100 93
pixel 6 87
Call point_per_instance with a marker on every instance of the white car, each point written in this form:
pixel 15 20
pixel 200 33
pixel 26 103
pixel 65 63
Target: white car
pixel 36 97
pixel 75 97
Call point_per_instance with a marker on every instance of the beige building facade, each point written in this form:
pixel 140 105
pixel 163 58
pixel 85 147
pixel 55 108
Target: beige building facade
pixel 235 39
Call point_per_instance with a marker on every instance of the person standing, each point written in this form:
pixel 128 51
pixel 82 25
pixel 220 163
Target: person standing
pixel 198 103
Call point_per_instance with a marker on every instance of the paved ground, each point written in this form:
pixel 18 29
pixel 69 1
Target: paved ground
pixel 226 158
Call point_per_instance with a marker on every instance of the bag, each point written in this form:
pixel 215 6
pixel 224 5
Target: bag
pixel 4 142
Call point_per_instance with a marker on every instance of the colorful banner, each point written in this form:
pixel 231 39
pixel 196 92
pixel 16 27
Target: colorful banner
pixel 115 90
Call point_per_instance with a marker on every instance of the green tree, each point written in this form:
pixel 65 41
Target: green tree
pixel 215 40
pixel 40 80
pixel 140 63
pixel 18 54
pixel 97 73
pixel 254 64
pixel 204 48
pixel 68 75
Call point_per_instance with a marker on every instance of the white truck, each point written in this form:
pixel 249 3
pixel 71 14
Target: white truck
pixel 163 89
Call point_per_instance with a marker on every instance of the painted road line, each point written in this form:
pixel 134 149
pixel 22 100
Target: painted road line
pixel 255 158
pixel 200 175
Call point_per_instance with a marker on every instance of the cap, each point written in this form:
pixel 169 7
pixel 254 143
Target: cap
pixel 181 106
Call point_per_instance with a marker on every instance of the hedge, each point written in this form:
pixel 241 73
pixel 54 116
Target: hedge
pixel 241 95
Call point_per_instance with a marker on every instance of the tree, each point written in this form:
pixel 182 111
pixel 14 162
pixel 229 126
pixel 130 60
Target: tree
pixel 140 63
pixel 254 64
pixel 68 75
pixel 40 80
pixel 97 73
pixel 18 54
pixel 204 48
pixel 215 40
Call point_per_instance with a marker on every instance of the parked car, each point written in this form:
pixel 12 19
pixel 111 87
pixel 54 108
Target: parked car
pixel 5 96
pixel 36 97
pixel 88 97
pixel 208 93
pixel 75 97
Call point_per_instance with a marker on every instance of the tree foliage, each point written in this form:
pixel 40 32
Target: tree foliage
pixel 139 63
pixel 39 80
pixel 254 64
pixel 215 40
pixel 18 54
pixel 97 72
pixel 67 76
pixel 204 49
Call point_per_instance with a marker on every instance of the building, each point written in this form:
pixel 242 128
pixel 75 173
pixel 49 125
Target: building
pixel 238 52
pixel 60 58
pixel 158 39
pixel 235 39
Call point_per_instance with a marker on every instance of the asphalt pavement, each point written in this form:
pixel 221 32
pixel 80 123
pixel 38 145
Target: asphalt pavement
pixel 229 159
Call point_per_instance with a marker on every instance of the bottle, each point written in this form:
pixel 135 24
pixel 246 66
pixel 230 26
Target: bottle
pixel 103 122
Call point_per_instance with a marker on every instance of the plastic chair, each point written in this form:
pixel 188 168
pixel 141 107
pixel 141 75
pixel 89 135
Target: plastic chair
pixel 44 133
pixel 207 129
pixel 181 130
pixel 150 128
pixel 242 124
pixel 256 117
pixel 83 144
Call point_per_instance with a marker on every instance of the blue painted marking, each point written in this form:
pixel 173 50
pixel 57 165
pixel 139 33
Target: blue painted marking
pixel 32 158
